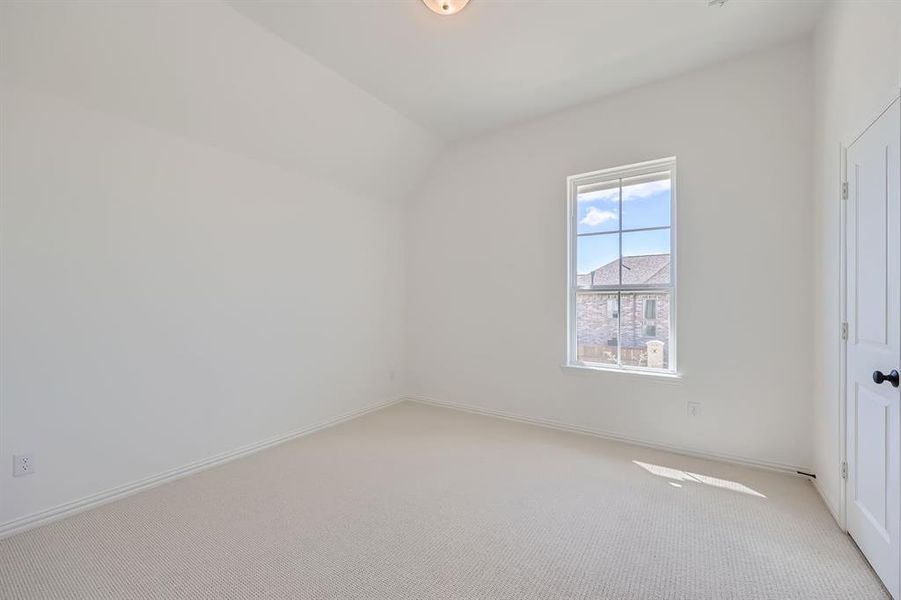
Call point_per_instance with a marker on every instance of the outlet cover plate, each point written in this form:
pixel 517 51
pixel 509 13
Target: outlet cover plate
pixel 23 464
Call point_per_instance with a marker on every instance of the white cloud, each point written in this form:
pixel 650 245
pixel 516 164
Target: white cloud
pixel 595 217
pixel 644 190
pixel 609 195
pixel 631 192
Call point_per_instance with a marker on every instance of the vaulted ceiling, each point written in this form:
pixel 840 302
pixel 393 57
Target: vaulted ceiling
pixel 502 61
pixel 361 94
pixel 202 71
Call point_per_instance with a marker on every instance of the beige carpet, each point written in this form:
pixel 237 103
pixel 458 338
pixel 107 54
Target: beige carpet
pixel 421 502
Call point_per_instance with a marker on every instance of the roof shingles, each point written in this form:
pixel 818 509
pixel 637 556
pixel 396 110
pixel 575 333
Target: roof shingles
pixel 646 268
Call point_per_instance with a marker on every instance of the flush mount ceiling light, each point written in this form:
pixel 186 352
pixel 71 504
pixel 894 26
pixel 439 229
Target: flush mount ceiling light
pixel 446 7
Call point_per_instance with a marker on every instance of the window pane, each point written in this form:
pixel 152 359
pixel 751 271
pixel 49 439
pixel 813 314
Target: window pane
pixel 598 207
pixel 646 201
pixel 597 325
pixel 646 257
pixel 596 260
pixel 644 340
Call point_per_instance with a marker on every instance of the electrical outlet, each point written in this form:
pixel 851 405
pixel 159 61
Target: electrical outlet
pixel 23 464
pixel 694 409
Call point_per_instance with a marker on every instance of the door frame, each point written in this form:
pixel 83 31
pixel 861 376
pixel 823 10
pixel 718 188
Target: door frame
pixel 894 96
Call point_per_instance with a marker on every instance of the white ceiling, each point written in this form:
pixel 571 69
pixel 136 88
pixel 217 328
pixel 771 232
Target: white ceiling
pixel 503 61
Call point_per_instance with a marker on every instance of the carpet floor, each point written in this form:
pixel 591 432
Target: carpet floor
pixel 416 502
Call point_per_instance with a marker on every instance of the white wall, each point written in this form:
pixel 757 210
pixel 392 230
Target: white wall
pixel 485 263
pixel 858 69
pixel 203 70
pixel 170 291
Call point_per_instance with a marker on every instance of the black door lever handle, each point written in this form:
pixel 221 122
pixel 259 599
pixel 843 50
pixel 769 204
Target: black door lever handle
pixel 879 377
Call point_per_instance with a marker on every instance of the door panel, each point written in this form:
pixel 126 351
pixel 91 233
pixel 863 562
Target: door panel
pixel 874 343
pixel 870 495
pixel 871 265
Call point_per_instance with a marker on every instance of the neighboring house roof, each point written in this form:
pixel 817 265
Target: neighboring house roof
pixel 647 268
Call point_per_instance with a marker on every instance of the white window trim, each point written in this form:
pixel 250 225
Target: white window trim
pixel 573 182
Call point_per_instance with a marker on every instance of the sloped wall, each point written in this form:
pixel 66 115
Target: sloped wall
pixel 202 243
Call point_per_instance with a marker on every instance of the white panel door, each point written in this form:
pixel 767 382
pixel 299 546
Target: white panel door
pixel 874 344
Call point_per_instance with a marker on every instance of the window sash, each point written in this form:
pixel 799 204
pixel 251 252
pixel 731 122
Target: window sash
pixel 617 181
pixel 625 287
pixel 612 231
pixel 619 333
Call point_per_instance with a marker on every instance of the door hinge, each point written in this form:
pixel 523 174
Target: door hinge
pixel 844 470
pixel 844 190
pixel 845 331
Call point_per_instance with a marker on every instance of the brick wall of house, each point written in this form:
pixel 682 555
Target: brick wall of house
pixel 597 323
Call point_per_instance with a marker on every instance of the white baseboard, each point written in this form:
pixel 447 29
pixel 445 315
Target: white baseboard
pixel 608 435
pixel 94 500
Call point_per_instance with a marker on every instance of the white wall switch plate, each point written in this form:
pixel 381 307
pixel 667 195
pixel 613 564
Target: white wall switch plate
pixel 694 409
pixel 23 464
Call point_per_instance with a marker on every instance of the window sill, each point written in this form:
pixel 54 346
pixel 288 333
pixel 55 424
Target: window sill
pixel 650 375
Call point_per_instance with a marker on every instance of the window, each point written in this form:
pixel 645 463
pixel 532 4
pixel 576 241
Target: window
pixel 621 287
pixel 612 308
pixel 650 308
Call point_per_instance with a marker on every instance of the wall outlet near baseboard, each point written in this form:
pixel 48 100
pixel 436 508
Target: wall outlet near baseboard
pixel 694 409
pixel 23 464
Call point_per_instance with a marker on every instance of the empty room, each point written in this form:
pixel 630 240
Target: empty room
pixel 450 299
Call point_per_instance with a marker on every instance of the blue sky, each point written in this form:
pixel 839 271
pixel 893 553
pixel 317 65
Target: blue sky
pixel 644 205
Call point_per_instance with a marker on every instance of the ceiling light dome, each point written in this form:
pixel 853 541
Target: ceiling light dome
pixel 445 7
